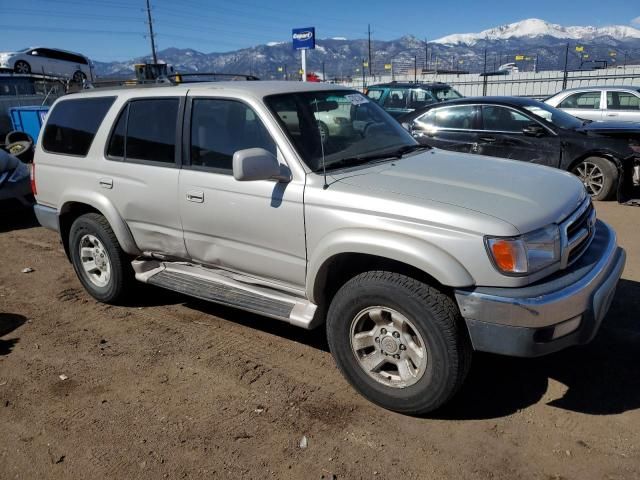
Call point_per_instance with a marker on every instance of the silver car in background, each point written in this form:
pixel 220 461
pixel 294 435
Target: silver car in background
pixel 599 103
pixel 47 61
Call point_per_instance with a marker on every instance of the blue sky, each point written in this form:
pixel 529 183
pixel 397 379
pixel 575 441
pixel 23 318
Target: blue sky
pixel 115 29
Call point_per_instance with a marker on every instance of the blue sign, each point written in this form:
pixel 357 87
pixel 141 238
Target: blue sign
pixel 304 38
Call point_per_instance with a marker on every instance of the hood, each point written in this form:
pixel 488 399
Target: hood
pixel 525 195
pixel 611 127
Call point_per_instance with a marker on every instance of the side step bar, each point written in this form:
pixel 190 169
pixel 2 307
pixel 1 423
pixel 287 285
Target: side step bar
pixel 223 287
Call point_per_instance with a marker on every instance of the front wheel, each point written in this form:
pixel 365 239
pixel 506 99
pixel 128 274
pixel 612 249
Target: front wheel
pixel 599 176
pixel 399 342
pixel 100 263
pixel 79 77
pixel 22 67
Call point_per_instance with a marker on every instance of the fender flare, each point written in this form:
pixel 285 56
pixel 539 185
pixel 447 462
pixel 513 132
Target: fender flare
pixel 109 211
pixel 402 248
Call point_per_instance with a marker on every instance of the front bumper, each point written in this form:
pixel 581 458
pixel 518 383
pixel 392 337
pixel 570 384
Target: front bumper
pixel 562 310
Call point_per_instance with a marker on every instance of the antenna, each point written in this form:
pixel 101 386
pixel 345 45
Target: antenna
pixel 324 167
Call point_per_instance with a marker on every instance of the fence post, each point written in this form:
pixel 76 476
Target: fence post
pixel 484 80
pixel 566 61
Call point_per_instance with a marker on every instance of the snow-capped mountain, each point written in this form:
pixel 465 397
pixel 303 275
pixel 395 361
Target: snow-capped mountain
pixel 533 39
pixel 534 27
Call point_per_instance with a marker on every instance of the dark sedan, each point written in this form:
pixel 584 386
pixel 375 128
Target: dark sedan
pixel 602 154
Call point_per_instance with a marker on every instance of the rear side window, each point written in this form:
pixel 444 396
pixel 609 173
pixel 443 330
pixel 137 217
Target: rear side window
pixel 73 124
pixel 146 130
pixel 582 100
pixel 396 99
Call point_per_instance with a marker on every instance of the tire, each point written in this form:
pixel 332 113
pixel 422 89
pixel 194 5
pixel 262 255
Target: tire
pixel 78 77
pixel 107 284
pixel 411 313
pixel 22 67
pixel 599 176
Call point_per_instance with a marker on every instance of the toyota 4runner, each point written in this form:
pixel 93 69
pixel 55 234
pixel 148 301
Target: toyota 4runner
pixel 411 257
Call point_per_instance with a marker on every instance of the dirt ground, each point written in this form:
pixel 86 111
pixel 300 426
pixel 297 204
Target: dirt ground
pixel 171 387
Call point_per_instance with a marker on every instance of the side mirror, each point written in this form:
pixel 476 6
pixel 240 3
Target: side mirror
pixel 34 52
pixel 534 130
pixel 257 164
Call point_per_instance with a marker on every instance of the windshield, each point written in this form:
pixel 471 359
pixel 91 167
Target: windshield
pixel 340 125
pixel 554 116
pixel 443 94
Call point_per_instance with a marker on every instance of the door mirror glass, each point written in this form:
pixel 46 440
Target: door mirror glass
pixel 534 130
pixel 34 52
pixel 256 164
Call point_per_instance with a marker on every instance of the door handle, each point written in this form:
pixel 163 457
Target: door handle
pixel 197 197
pixel 106 183
pixel 487 139
pixel 612 114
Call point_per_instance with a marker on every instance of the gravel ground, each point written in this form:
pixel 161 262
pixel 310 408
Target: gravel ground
pixel 170 387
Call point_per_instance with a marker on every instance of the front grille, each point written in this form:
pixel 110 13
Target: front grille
pixel 578 232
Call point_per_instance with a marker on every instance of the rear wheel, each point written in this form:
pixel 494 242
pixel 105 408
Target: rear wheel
pixel 102 266
pixel 398 341
pixel 22 67
pixel 599 176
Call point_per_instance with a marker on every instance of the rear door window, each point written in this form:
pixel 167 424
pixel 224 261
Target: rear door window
pixel 396 99
pixel 502 119
pixel 585 100
pixel 73 124
pixel 146 131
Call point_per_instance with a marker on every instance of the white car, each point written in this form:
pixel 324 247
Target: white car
pixel 609 103
pixel 47 61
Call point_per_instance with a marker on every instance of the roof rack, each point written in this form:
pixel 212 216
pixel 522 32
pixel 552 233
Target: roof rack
pixel 209 77
pixel 163 81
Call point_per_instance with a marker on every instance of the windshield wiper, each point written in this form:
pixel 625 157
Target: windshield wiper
pixel 361 159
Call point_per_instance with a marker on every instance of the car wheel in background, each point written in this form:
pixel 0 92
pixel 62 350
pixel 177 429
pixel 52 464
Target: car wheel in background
pixel 599 176
pixel 79 77
pixel 22 67
pixel 400 342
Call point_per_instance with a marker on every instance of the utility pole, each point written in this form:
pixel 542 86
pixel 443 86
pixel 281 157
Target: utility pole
pixel 324 79
pixel 151 35
pixel 535 65
pixel 566 61
pixel 426 55
pixel 415 69
pixel 370 59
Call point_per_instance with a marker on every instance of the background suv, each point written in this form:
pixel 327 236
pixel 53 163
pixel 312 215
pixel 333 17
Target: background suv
pixel 400 98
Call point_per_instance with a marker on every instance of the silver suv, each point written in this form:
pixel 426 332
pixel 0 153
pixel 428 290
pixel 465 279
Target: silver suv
pixel 411 257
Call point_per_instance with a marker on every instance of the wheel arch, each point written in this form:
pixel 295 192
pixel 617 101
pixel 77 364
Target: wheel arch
pixel 348 253
pixel 77 205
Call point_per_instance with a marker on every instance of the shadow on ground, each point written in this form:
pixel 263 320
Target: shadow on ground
pixel 602 378
pixel 8 323
pixel 14 216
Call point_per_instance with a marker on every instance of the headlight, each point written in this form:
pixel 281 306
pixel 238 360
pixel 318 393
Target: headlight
pixel 525 254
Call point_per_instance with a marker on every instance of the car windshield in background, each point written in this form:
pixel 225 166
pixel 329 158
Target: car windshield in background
pixel 443 94
pixel 343 126
pixel 553 115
